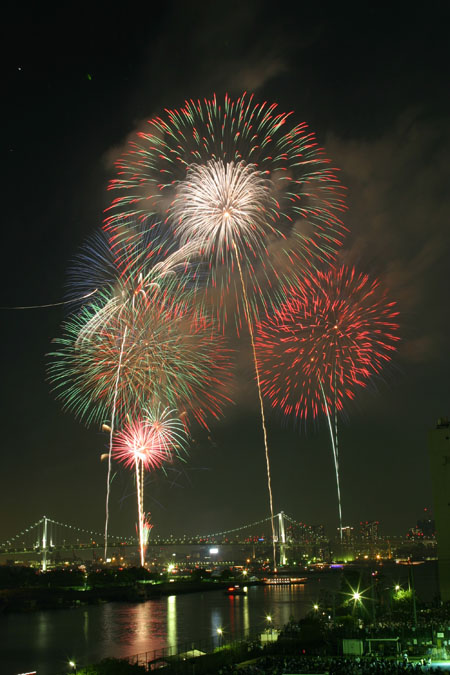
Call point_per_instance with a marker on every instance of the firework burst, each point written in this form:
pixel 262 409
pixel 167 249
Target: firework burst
pixel 166 350
pixel 333 332
pixel 131 259
pixel 219 204
pixel 254 194
pixel 146 444
pixel 142 341
pixel 239 181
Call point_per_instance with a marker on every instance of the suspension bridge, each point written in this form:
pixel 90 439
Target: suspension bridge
pixel 47 536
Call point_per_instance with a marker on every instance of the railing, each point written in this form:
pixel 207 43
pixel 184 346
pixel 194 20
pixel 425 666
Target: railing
pixel 180 656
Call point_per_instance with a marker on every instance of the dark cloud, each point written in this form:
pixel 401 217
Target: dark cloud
pixel 398 217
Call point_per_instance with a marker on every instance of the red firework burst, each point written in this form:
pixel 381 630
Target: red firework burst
pixel 142 443
pixel 331 334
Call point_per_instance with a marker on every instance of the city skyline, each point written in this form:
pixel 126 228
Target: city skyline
pixel 372 91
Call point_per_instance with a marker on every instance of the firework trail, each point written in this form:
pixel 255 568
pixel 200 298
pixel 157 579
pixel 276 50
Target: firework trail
pixel 253 192
pixel 263 419
pixel 148 443
pixel 147 527
pixel 55 304
pixel 332 333
pixel 111 432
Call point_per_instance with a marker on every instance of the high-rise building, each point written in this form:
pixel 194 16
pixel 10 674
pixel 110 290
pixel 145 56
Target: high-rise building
pixel 439 449
pixel 347 533
pixel 368 530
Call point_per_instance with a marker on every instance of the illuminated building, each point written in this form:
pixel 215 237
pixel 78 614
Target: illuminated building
pixel 439 449
pixel 347 534
pixel 368 530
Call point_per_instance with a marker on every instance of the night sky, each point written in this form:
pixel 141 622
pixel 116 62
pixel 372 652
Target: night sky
pixel 372 81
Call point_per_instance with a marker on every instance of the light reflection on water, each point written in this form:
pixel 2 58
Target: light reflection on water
pixel 45 641
pixel 86 625
pixel 172 621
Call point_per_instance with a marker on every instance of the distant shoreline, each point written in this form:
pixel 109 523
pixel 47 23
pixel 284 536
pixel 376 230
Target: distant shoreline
pixel 37 599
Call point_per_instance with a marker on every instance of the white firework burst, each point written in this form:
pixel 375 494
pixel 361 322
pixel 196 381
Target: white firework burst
pixel 222 206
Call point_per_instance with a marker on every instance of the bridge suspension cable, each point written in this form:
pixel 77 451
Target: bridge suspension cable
pixel 27 530
pixel 92 532
pixel 8 542
pixel 133 540
pixel 236 529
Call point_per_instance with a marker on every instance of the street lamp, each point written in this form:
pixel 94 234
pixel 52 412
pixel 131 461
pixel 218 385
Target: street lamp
pixel 73 665
pixel 356 596
pixel 316 607
pixel 220 634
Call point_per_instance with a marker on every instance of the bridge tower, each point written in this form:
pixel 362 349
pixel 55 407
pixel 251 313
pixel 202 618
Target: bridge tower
pixel 282 538
pixel 44 546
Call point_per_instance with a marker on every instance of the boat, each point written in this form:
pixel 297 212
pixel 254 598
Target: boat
pixel 236 590
pixel 284 581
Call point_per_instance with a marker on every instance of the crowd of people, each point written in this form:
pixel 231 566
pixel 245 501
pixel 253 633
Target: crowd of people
pixel 273 665
pixel 415 638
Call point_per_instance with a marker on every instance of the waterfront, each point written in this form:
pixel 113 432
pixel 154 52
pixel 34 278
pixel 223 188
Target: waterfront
pixel 46 640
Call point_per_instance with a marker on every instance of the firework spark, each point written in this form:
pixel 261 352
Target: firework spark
pixel 237 171
pixel 152 440
pixel 332 333
pixel 146 444
pixel 141 341
pixel 253 194
pixel 168 351
pixel 135 257
pixel 336 328
pixel 219 204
